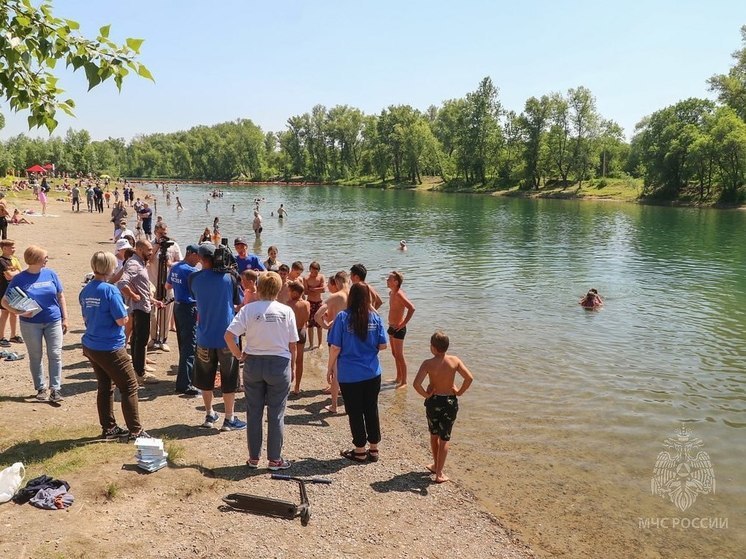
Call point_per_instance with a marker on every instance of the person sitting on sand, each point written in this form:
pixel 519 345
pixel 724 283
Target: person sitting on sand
pixel 441 398
pixel 18 219
pixel 591 300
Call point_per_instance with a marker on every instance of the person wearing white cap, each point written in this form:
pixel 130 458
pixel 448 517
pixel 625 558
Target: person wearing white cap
pixel 120 248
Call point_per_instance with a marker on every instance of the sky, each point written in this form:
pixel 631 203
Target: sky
pixel 266 61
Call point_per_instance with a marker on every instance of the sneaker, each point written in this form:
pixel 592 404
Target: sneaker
pixel 153 345
pixel 143 433
pixel 211 420
pixel 253 463
pixel 42 395
pixel 280 464
pixel 17 339
pixel 4 342
pixel 190 391
pixel 115 432
pixel 234 424
pixel 164 347
pixel 148 369
pixel 55 396
pixel 147 378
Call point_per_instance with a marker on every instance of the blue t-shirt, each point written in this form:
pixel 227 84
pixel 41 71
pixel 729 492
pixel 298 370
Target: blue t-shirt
pixel 178 277
pixel 102 306
pixel 216 293
pixel 42 288
pixel 251 262
pixel 358 360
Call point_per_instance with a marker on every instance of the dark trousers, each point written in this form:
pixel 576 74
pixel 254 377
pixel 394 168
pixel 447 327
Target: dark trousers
pixel 76 205
pixel 185 315
pixel 139 340
pixel 113 368
pixel 4 227
pixel 361 405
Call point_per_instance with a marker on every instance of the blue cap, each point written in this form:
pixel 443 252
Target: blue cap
pixel 206 249
pixel 192 249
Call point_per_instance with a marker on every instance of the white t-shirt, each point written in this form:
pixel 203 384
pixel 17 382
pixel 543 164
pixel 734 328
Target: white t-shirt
pixel 269 327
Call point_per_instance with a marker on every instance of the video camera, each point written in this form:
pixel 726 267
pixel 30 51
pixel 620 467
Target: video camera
pixel 223 260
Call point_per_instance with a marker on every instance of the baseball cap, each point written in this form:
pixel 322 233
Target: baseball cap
pixel 206 249
pixel 122 244
pixel 193 249
pixel 240 241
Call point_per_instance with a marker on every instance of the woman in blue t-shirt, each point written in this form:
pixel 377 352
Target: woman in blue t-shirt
pixel 46 325
pixel 104 342
pixel 356 337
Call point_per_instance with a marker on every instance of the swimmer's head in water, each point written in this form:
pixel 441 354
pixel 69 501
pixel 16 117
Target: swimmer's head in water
pixel 403 243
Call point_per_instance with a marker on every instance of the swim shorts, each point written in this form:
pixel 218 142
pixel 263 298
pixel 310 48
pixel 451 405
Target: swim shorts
pixel 302 336
pixel 441 414
pixel 397 334
pixel 206 364
pixel 315 306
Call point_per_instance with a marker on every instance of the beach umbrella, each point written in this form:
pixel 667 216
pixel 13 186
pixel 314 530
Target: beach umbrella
pixel 36 169
pixel 105 176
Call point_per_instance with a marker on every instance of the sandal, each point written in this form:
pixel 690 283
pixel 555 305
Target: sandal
pixel 354 455
pixel 13 356
pixel 373 455
pixel 253 464
pixel 17 339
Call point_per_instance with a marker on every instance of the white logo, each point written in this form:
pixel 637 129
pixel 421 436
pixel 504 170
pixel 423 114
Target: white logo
pixel 678 474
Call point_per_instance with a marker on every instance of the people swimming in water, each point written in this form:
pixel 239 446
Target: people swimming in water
pixel 591 300
pixel 402 245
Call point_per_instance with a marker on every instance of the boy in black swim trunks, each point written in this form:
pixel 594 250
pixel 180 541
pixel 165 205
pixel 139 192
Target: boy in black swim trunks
pixel 441 398
pixel 302 310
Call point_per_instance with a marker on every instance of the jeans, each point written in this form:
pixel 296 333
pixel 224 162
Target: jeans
pixel 361 405
pixel 113 368
pixel 4 227
pixel 266 379
pixel 186 335
pixel 139 339
pixel 51 334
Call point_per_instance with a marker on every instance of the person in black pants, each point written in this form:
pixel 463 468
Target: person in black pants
pixel 356 337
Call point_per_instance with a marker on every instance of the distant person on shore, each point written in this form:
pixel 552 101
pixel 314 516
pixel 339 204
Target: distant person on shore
pixel 146 215
pixel 441 398
pixel 591 300
pixel 401 310
pixel 302 310
pixel 402 245
pixel 75 197
pixel 257 223
pixel 356 338
pixel 10 267
pixel 314 285
pixel 358 273
pixel 281 212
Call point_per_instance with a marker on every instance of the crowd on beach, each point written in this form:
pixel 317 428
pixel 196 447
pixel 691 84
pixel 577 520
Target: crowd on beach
pixel 230 309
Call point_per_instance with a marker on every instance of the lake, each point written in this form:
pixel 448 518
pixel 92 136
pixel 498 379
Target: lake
pixel 560 433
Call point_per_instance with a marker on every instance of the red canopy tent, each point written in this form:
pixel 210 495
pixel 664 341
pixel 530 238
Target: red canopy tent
pixel 36 169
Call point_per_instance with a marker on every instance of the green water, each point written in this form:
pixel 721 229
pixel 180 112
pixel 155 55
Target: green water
pixel 561 431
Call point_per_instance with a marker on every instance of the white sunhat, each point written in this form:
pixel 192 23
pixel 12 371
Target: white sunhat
pixel 122 244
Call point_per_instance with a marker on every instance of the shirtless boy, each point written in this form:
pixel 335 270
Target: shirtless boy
pixel 248 284
pixel 401 310
pixel 441 398
pixel 339 286
pixel 358 273
pixel 302 310
pixel 296 271
pixel 314 284
pixel 284 295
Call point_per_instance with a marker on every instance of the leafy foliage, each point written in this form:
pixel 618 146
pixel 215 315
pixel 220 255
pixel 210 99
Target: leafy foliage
pixel 33 41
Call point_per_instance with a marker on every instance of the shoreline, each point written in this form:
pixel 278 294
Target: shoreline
pixel 441 187
pixel 388 509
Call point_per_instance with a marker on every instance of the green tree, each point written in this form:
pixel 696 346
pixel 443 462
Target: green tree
pixel 481 132
pixel 729 137
pixel 33 41
pixel 533 122
pixel 731 87
pixel 584 118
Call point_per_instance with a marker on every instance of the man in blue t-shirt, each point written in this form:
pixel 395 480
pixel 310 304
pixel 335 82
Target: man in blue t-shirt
pixel 185 314
pixel 146 215
pixel 216 294
pixel 244 259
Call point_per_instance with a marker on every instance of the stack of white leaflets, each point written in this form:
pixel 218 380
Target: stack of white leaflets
pixel 150 454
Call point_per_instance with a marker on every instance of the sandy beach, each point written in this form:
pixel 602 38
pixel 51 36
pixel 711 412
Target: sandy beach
pixel 387 509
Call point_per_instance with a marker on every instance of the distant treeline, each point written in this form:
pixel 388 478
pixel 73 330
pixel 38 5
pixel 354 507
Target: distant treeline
pixel 695 149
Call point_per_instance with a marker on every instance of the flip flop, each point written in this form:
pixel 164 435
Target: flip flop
pixel 13 356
